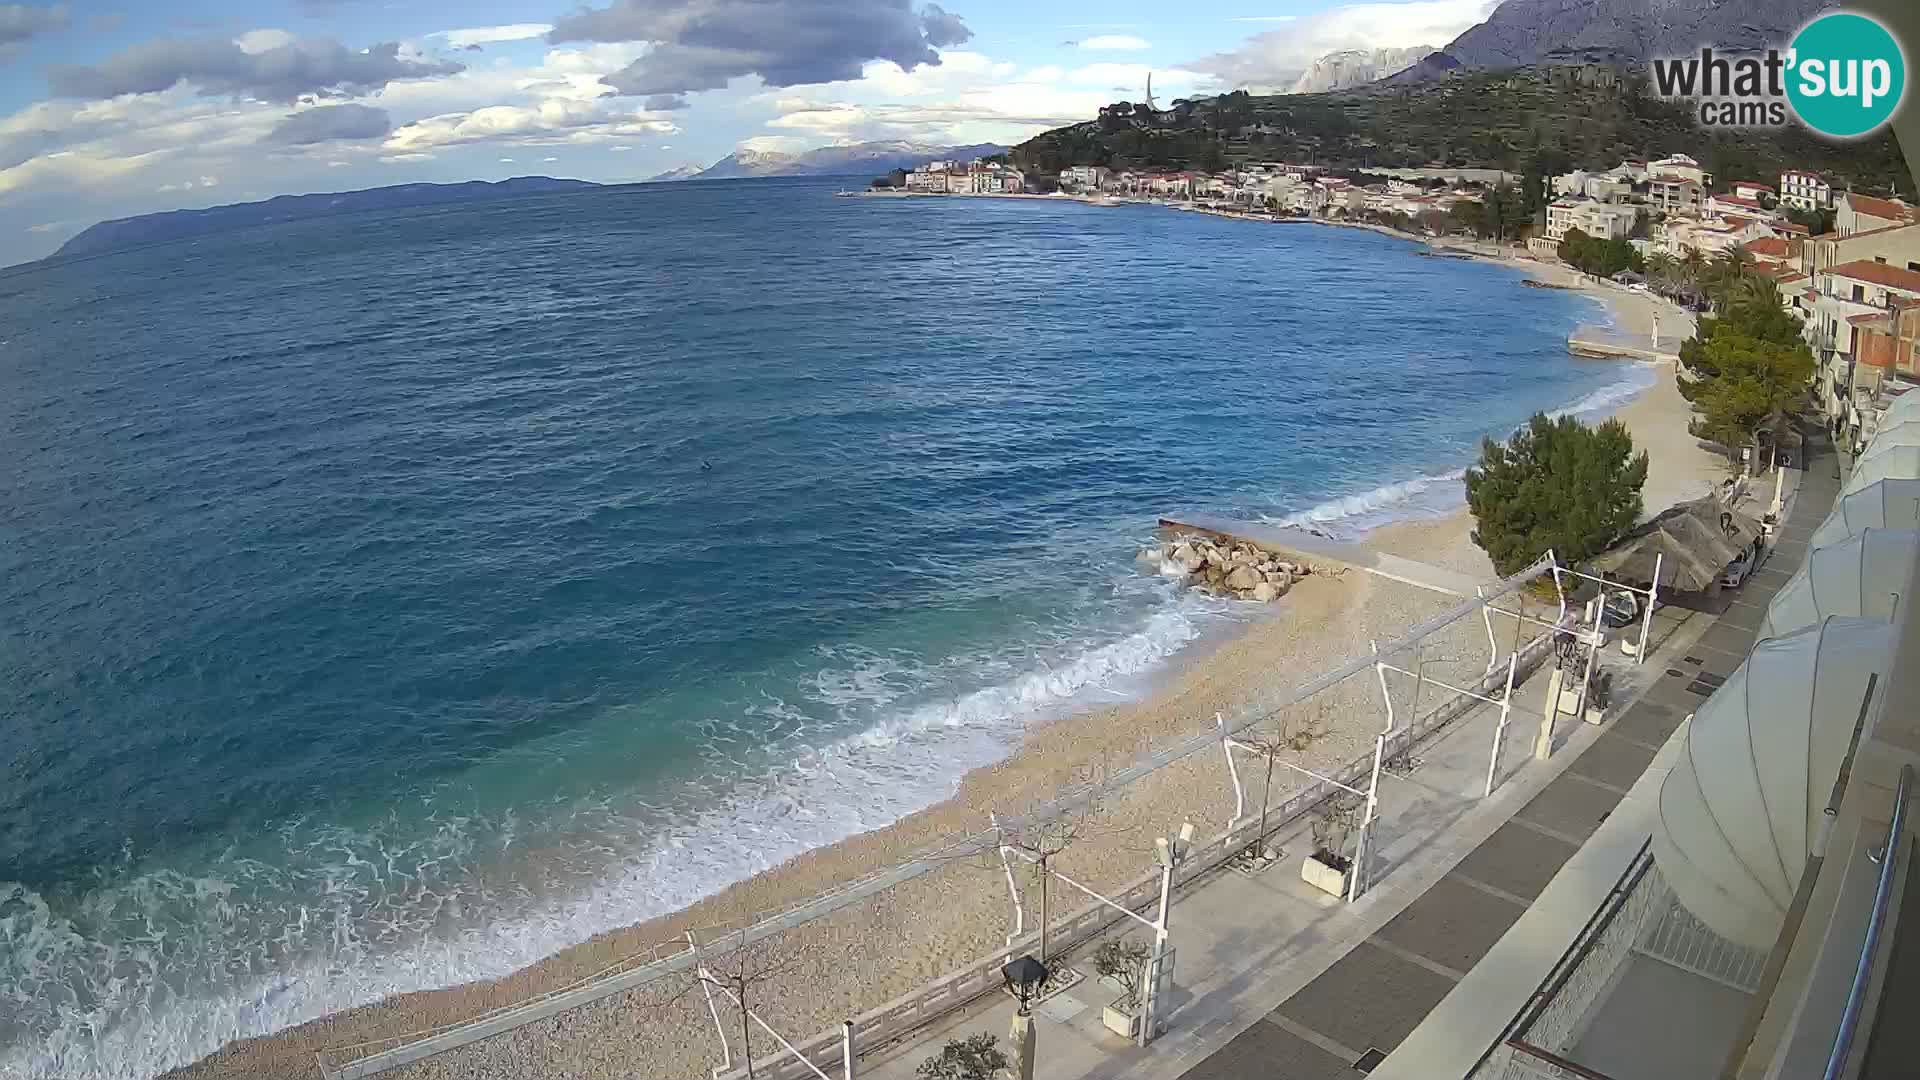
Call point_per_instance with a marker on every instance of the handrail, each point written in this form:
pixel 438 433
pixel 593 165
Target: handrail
pixel 1876 922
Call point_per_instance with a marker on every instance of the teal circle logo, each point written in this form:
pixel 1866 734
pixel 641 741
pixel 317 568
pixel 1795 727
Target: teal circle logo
pixel 1845 75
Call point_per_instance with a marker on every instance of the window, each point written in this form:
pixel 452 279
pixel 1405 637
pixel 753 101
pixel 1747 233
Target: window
pixel 1859 294
pixel 1881 259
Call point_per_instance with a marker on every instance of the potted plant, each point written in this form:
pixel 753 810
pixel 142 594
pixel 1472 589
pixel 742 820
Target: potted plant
pixel 975 1058
pixel 1327 869
pixel 1123 962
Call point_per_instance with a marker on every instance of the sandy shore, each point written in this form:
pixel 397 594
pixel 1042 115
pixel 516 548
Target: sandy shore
pixel 887 945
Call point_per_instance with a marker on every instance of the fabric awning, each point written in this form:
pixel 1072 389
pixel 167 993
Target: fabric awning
pixel 1864 575
pixel 1888 504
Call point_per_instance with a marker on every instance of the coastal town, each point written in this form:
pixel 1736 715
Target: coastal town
pixel 1846 263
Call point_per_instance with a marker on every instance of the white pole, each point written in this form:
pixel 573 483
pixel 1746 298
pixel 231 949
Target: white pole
pixel 726 1052
pixel 1380 669
pixel 1593 653
pixel 1150 1001
pixel 846 1047
pixel 1366 821
pixel 1486 616
pixel 1500 732
pixel 1646 623
pixel 1233 772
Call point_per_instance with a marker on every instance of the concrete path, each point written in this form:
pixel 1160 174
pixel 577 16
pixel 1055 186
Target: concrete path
pixel 1276 980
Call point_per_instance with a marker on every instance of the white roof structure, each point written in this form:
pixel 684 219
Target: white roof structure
pixel 1904 408
pixel 1892 432
pixel 1887 504
pixel 1745 804
pixel 1863 576
pixel 1882 463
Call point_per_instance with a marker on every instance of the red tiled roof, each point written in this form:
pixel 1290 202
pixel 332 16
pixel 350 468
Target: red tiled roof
pixel 1768 246
pixel 1792 227
pixel 1863 320
pixel 1883 208
pixel 1735 200
pixel 1892 277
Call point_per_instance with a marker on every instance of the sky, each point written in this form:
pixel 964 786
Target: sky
pixel 110 108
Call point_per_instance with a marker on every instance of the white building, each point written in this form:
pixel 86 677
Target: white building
pixel 1085 177
pixel 1675 194
pixel 1804 190
pixel 1855 213
pixel 1604 220
pixel 1682 167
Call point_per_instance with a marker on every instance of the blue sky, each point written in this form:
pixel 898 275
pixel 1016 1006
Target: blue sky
pixel 113 108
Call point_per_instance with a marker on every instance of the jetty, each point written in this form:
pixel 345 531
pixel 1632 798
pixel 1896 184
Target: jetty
pixel 1300 545
pixel 1610 342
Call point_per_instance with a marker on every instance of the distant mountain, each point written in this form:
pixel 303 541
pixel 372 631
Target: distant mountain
pixel 1521 33
pixel 679 172
pixel 1356 67
pixel 180 224
pixel 854 159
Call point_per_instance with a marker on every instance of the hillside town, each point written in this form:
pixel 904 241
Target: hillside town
pixel 1847 264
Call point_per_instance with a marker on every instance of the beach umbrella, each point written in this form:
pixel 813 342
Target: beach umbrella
pixel 1890 463
pixel 1744 806
pixel 1864 575
pixel 1889 504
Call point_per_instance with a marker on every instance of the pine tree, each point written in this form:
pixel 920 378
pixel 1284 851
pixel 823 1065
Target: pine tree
pixel 1556 484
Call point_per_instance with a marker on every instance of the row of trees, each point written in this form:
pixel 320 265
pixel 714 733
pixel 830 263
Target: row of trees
pixel 1598 257
pixel 1747 368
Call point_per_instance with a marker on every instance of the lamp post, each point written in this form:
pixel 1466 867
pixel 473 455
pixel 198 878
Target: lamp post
pixel 1172 851
pixel 1024 976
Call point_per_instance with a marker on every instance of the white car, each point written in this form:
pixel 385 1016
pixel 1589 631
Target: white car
pixel 1737 570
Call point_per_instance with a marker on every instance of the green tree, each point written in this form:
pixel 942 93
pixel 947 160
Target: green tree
pixel 973 1058
pixel 1556 484
pixel 1746 371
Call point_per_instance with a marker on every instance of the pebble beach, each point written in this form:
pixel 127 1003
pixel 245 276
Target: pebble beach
pixel 888 944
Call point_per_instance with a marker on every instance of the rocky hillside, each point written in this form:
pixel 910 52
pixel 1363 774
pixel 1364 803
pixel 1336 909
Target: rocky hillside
pixel 1356 67
pixel 1519 121
pixel 1520 33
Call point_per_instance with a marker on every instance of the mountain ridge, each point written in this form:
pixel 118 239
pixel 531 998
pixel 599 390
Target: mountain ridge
pixel 852 159
pixel 119 233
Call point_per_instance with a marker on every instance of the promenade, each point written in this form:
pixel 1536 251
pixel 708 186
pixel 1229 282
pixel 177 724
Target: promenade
pixel 1275 979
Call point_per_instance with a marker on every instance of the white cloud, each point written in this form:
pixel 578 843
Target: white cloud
pixel 489 35
pixel 339 164
pixel 189 185
pixel 1274 59
pixel 1117 42
pixel 404 159
pixel 506 161
pixel 624 149
pixel 551 121
pixel 779 144
pixel 254 42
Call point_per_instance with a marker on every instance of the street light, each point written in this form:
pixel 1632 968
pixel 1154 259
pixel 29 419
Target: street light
pixel 1024 977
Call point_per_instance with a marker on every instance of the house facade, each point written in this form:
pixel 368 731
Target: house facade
pixel 1805 190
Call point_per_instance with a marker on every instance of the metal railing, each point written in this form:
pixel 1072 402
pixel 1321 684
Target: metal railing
pixel 1876 925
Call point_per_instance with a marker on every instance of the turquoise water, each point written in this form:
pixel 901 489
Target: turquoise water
pixel 392 601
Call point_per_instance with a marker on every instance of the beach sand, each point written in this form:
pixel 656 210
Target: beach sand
pixel 888 944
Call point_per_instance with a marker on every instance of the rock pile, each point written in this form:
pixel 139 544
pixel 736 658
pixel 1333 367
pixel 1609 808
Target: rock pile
pixel 1234 569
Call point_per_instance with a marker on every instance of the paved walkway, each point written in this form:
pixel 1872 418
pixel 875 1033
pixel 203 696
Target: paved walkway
pixel 1356 1012
pixel 1274 980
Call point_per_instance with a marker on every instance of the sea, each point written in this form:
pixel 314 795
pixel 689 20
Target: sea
pixel 391 600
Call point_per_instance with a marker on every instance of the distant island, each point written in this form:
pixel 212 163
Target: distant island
pixel 853 159
pixel 182 224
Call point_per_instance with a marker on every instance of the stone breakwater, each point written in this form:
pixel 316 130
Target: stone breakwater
pixel 1225 568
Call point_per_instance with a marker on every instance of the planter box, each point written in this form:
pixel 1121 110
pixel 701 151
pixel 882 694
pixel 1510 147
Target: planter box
pixel 1327 876
pixel 1122 1020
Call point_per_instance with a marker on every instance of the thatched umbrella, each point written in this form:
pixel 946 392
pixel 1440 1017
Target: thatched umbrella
pixel 1692 542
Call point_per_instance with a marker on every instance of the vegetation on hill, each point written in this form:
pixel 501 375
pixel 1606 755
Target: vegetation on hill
pixel 1519 121
pixel 1556 484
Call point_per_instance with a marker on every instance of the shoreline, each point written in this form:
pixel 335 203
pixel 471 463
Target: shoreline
pixel 954 916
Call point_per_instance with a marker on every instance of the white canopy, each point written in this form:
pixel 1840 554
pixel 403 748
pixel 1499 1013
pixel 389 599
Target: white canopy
pixel 1744 805
pixel 1890 462
pixel 1904 408
pixel 1865 576
pixel 1891 504
pixel 1891 434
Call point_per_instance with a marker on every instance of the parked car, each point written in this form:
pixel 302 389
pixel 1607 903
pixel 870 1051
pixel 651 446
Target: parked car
pixel 1737 570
